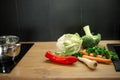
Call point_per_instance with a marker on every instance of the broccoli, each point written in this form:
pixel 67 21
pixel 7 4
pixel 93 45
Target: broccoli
pixel 90 40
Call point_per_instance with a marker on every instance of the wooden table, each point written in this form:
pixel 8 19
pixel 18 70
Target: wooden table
pixel 34 66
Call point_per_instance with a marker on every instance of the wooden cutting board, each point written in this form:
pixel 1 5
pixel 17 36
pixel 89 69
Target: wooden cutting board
pixel 34 66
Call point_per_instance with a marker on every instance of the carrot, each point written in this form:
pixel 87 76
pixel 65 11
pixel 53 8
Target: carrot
pixel 101 60
pixel 91 54
pixel 84 52
pixel 99 56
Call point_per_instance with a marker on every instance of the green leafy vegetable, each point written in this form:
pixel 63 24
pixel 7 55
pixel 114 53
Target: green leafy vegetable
pixel 68 44
pixel 77 54
pixel 101 50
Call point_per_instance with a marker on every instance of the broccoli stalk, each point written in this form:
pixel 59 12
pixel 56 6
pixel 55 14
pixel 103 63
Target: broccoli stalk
pixel 90 40
pixel 87 30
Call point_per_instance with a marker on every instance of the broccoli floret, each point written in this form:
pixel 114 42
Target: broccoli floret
pixel 90 40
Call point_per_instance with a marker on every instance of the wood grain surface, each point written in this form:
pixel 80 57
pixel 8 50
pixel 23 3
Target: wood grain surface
pixel 34 66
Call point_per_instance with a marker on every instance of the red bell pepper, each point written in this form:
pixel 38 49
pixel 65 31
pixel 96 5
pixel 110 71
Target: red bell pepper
pixel 61 59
